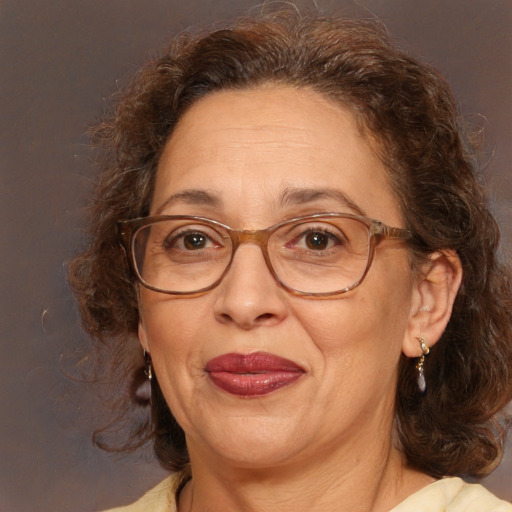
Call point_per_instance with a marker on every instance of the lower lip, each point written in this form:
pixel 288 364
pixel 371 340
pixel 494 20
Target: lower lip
pixel 253 384
pixel 252 374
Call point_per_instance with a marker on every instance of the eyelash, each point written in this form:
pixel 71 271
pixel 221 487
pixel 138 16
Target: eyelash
pixel 180 236
pixel 333 237
pixel 294 239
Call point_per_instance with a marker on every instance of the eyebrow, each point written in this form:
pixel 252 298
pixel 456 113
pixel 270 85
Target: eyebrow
pixel 289 197
pixel 298 196
pixel 192 197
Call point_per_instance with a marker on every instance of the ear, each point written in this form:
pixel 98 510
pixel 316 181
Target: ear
pixel 434 293
pixel 142 334
pixel 141 329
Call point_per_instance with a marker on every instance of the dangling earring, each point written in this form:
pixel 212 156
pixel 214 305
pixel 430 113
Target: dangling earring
pixel 419 366
pixel 148 369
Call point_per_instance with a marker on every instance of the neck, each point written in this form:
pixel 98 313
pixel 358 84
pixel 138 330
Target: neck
pixel 375 481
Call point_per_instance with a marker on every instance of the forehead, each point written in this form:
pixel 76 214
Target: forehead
pixel 256 144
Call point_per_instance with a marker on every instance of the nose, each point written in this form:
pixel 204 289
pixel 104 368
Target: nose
pixel 248 296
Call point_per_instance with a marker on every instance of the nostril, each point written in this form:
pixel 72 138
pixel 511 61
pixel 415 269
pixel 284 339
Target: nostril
pixel 264 316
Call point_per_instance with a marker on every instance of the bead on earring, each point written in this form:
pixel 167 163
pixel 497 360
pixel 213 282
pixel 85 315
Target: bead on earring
pixel 422 384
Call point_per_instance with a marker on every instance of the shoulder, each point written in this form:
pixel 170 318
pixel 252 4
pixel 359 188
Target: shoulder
pixel 453 495
pixel 161 498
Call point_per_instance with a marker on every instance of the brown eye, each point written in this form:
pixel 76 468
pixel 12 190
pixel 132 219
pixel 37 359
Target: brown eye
pixel 317 241
pixel 317 238
pixel 191 240
pixel 194 241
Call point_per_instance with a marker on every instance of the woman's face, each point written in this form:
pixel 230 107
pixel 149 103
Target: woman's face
pixel 234 157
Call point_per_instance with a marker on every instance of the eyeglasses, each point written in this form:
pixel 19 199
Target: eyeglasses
pixel 318 255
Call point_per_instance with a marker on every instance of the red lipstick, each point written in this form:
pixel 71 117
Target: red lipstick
pixel 254 374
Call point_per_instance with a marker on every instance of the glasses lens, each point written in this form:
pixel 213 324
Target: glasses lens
pixel 181 256
pixel 322 255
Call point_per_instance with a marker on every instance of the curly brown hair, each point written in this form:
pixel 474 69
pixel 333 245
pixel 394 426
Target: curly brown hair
pixel 407 108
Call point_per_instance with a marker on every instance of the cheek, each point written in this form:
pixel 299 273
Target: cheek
pixel 364 328
pixel 170 327
pixel 355 320
pixel 167 320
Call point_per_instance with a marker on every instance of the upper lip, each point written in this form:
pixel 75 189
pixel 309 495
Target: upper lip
pixel 256 362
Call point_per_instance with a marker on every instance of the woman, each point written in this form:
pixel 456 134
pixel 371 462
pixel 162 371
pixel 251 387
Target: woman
pixel 302 355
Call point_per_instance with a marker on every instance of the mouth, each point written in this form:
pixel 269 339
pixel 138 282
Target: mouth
pixel 253 374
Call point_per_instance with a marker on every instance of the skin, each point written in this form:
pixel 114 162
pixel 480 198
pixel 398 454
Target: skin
pixel 324 442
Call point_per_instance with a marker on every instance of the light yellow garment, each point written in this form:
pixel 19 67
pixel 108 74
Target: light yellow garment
pixel 453 495
pixel 446 495
pixel 161 498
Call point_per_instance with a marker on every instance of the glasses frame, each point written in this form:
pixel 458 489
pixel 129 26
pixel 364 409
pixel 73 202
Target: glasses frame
pixel 377 231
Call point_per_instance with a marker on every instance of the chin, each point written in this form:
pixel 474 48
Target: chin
pixel 251 442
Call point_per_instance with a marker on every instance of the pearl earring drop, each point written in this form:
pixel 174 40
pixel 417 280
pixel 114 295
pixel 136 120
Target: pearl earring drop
pixel 422 384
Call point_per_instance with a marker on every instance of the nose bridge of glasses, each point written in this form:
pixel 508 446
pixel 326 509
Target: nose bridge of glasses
pixel 257 237
pixel 247 236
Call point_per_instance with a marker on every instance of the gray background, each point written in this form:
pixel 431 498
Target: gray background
pixel 59 59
